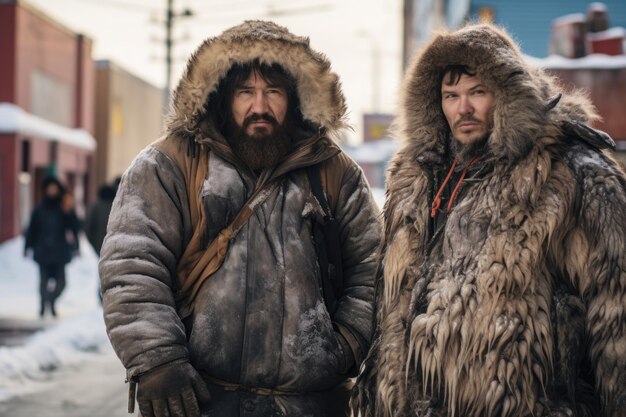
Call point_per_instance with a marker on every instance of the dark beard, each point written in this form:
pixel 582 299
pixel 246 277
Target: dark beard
pixel 465 152
pixel 261 150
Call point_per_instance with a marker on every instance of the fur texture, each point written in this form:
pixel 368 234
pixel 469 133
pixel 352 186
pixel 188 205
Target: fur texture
pixel 319 89
pixel 518 308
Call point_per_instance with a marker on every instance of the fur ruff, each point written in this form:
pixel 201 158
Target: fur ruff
pixel 321 99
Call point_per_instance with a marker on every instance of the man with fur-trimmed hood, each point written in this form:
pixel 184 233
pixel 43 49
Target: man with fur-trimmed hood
pixel 503 283
pixel 222 293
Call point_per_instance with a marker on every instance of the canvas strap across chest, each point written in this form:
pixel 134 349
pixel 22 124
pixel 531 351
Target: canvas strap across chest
pixel 197 264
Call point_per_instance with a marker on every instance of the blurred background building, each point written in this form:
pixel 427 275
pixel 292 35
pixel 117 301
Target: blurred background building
pixel 129 116
pixel 62 112
pixel 46 111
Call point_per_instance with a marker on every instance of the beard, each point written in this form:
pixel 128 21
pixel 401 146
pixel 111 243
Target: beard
pixel 262 149
pixel 464 152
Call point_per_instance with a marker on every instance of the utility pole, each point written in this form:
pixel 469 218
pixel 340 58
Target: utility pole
pixel 170 17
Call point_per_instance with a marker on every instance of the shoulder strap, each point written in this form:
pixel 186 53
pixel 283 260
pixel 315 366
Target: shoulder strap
pixel 327 245
pixel 197 264
pixel 213 256
pixel 313 172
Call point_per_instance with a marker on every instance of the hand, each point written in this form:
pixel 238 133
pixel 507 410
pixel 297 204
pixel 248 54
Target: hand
pixel 173 390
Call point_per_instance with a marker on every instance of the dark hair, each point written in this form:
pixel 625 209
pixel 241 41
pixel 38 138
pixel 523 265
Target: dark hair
pixel 52 180
pixel 455 71
pixel 219 103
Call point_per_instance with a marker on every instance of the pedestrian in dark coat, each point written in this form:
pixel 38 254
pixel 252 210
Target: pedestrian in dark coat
pixel 52 236
pixel 95 226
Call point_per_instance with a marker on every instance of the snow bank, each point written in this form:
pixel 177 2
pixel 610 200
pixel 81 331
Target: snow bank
pixel 70 342
pixel 73 337
pixel 19 282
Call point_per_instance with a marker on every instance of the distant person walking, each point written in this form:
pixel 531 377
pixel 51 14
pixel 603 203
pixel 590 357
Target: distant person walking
pixel 95 225
pixel 98 215
pixel 52 236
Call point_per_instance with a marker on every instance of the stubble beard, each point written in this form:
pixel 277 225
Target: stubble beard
pixel 464 152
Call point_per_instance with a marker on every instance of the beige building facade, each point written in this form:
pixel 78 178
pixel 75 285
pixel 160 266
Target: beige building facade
pixel 129 116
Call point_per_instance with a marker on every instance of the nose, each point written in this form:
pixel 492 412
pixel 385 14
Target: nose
pixel 259 103
pixel 465 105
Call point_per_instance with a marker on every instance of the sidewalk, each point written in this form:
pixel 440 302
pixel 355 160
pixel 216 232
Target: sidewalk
pixel 95 388
pixel 13 332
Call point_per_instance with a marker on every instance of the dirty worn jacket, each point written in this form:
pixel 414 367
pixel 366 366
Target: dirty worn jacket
pixel 260 320
pixel 513 305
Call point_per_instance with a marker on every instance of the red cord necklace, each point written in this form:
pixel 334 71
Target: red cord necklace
pixel 437 201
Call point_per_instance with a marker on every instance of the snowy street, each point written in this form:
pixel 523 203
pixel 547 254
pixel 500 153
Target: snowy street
pixel 55 367
pixel 92 388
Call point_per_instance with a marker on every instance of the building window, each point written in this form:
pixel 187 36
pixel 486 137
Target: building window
pixel 25 166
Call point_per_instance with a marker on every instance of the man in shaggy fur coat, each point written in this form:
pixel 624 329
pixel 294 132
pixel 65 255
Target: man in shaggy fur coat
pixel 212 265
pixel 503 283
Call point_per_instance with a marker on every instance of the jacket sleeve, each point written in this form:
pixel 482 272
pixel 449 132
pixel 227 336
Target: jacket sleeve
pixel 73 226
pixel 359 231
pixel 31 231
pixel 148 227
pixel 596 261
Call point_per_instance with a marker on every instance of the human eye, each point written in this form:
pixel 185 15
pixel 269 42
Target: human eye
pixel 274 91
pixel 244 91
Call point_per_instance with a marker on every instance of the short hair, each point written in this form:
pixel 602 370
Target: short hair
pixel 456 71
pixel 219 103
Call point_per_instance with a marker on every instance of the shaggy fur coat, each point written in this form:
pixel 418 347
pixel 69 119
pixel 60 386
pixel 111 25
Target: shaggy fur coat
pixel 517 307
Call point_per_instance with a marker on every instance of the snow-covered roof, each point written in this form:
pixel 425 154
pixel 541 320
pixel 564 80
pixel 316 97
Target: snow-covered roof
pixel 597 7
pixel 612 33
pixel 593 61
pixel 13 119
pixel 570 18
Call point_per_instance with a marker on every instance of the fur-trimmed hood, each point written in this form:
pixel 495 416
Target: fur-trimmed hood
pixel 523 94
pixel 319 90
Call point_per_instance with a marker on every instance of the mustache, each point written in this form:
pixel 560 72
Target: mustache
pixel 255 117
pixel 467 118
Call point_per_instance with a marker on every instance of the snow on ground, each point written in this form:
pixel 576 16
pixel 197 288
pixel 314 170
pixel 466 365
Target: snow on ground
pixel 76 334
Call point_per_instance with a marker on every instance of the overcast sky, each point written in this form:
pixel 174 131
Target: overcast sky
pixel 362 38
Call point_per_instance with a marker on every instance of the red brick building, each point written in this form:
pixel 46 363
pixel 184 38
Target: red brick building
pixel 603 78
pixel 46 112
